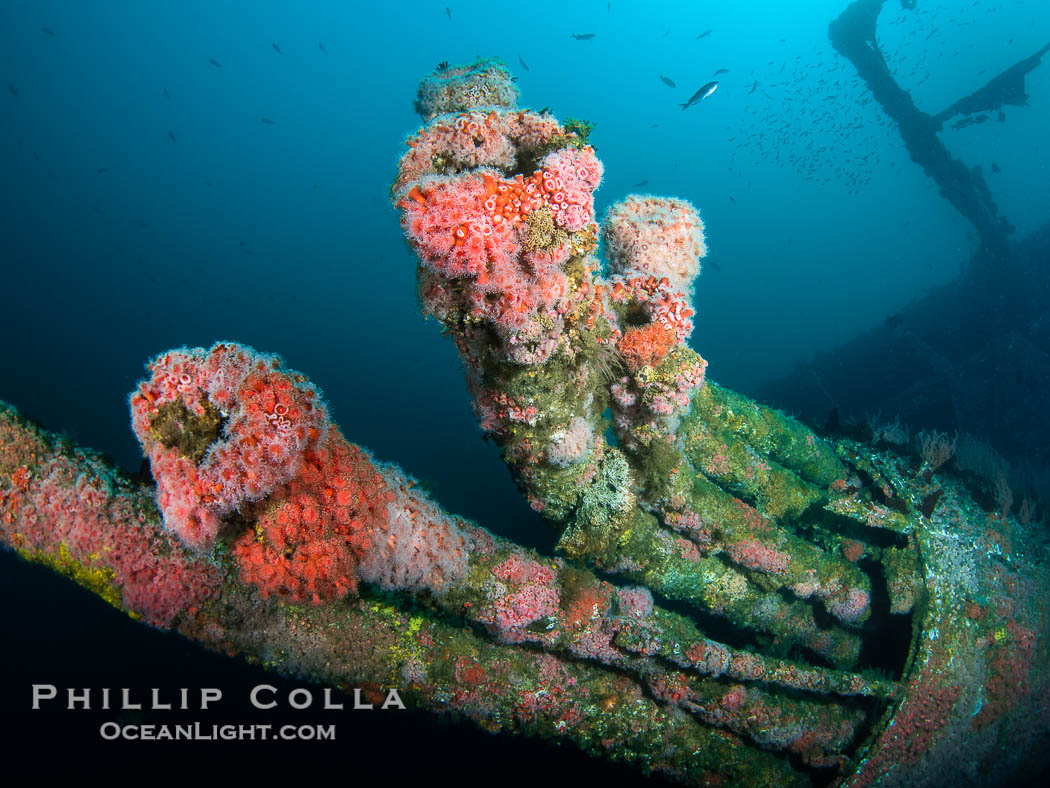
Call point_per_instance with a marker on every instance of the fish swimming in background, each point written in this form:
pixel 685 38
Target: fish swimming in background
pixel 521 60
pixel 171 134
pixel 12 88
pixel 731 199
pixel 721 71
pixel 167 95
pixel 640 184
pixel 215 62
pixel 701 94
pixel 47 30
pixel 102 170
pixel 276 48
pixel 321 47
pixel 753 88
pixel 713 264
pixel 267 121
pixel 705 34
pixel 448 13
pixel 995 167
pixel 583 36
pixel 668 81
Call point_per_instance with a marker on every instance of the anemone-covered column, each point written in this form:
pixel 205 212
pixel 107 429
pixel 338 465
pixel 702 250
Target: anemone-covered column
pixel 562 354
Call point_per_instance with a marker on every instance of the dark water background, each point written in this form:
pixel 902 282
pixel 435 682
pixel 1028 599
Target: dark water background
pixel 147 205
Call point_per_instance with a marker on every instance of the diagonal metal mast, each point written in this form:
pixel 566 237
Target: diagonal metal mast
pixel 853 36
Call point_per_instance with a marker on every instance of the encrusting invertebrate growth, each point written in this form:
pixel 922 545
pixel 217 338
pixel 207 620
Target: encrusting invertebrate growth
pixel 726 579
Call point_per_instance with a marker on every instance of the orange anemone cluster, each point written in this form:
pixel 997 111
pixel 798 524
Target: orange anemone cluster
pixel 510 199
pixel 221 427
pixel 310 535
pixel 662 304
pixel 473 139
pixel 646 346
pixel 623 289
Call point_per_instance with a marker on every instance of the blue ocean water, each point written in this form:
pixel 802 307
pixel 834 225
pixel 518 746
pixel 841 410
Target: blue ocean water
pixel 177 173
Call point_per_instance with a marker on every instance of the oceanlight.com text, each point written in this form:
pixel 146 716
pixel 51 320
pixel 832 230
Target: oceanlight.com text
pixel 196 731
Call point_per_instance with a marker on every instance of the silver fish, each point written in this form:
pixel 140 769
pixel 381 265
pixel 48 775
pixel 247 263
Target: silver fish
pixel 701 94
